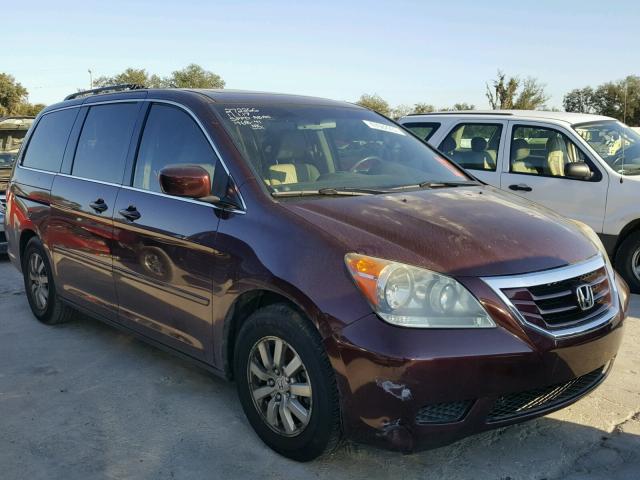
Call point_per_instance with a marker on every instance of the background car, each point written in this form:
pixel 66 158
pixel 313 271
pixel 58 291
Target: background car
pixel 585 167
pixel 12 133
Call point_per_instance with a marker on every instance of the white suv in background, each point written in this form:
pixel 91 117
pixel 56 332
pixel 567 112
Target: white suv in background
pixel 586 167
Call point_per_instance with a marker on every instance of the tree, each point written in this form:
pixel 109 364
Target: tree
pixel 619 99
pixel 138 76
pixel 514 93
pixel 423 108
pixel 194 76
pixel 29 109
pixel 374 102
pixel 459 107
pixel 12 94
pixel 401 111
pixel 580 100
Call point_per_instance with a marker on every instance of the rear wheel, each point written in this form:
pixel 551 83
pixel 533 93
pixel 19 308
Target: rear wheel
pixel 40 289
pixel 286 384
pixel 628 261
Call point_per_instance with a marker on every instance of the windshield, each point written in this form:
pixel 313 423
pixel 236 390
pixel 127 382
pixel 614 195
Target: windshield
pixel 617 144
pixel 12 133
pixel 302 148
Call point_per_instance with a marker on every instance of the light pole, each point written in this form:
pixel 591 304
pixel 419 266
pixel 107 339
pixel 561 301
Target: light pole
pixel 90 78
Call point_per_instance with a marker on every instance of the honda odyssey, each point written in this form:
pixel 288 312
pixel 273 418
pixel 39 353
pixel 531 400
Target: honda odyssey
pixel 350 279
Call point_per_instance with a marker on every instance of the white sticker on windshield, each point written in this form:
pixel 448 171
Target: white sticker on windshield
pixel 246 116
pixel 383 127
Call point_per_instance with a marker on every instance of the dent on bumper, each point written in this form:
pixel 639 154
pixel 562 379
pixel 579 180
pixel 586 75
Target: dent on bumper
pixel 390 373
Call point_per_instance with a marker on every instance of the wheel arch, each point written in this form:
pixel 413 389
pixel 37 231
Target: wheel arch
pixel 25 236
pixel 243 306
pixel 627 230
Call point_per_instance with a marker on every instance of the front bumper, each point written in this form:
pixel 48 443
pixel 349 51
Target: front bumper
pixel 410 389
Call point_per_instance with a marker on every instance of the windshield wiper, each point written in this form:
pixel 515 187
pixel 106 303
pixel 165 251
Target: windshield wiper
pixel 440 184
pixel 323 191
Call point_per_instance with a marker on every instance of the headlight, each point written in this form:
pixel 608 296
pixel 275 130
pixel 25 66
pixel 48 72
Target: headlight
pixel 415 297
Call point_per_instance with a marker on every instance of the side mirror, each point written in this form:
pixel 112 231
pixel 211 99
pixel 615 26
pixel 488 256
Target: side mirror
pixel 578 171
pixel 189 181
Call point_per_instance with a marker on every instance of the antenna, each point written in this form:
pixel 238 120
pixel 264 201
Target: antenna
pixel 624 120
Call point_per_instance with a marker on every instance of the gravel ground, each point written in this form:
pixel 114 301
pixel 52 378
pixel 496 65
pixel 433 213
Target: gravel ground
pixel 84 401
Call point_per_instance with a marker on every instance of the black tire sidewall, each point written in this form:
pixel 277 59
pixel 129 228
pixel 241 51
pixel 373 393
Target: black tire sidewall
pixel 313 441
pixel 35 246
pixel 624 258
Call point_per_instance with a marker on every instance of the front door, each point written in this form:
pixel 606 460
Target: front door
pixel 164 251
pixel 534 170
pixel 476 146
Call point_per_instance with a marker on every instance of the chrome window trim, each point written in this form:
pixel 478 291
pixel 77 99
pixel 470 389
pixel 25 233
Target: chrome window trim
pixel 558 274
pixel 243 210
pixel 184 199
pixel 36 170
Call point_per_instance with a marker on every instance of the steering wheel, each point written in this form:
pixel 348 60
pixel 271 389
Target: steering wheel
pixel 359 163
pixel 618 161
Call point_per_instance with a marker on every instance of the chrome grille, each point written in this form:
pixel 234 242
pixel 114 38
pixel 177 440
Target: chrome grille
pixel 555 305
pixel 548 301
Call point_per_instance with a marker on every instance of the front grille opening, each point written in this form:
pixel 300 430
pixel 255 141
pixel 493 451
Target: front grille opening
pixel 555 305
pixel 523 403
pixel 447 412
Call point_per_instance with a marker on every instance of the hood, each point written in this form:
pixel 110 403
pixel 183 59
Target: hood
pixel 462 231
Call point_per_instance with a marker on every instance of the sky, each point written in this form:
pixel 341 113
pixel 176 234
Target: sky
pixel 437 52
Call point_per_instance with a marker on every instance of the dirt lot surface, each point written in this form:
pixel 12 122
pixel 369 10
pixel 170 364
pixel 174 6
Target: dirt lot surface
pixel 83 401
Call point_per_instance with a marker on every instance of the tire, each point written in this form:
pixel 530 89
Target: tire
pixel 628 261
pixel 36 267
pixel 321 432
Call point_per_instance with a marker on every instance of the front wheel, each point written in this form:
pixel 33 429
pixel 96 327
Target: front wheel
pixel 286 384
pixel 628 261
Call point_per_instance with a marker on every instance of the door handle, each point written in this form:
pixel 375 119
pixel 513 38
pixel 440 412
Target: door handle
pixel 130 213
pixel 99 206
pixel 521 186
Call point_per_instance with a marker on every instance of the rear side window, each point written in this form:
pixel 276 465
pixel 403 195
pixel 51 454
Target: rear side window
pixel 423 130
pixel 473 145
pixel 103 144
pixel 49 140
pixel 170 137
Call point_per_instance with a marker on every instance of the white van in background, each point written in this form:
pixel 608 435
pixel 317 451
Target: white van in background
pixel 586 167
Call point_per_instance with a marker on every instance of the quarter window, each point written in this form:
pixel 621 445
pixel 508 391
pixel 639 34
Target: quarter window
pixel 473 145
pixel 102 148
pixel 49 140
pixel 423 130
pixel 542 151
pixel 170 137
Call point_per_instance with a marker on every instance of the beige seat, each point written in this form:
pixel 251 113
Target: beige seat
pixel 292 173
pixel 556 159
pixel 477 157
pixel 520 153
pixel 292 161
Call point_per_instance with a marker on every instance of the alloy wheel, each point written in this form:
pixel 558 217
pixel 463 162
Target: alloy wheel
pixel 38 281
pixel 635 263
pixel 280 386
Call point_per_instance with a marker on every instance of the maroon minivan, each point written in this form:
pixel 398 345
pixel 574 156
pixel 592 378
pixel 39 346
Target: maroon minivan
pixel 352 280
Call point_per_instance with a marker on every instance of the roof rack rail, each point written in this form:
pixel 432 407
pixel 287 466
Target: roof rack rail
pixel 108 89
pixel 463 112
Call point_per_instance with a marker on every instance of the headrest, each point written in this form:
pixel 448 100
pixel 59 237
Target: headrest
pixel 448 145
pixel 520 149
pixel 553 144
pixel 293 147
pixel 478 144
